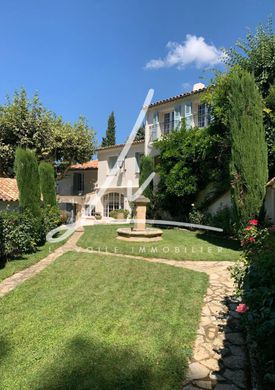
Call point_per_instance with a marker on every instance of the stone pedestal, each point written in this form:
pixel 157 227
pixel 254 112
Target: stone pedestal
pixel 139 232
pixel 140 214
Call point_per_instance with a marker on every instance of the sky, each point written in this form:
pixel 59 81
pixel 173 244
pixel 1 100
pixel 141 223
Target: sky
pixel 91 57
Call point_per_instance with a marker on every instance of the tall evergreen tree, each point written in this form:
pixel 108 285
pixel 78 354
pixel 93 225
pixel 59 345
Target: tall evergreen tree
pixel 110 138
pixel 248 166
pixel 47 183
pixel 27 176
pixel 140 134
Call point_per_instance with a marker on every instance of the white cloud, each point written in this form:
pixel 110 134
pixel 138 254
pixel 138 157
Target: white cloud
pixel 194 50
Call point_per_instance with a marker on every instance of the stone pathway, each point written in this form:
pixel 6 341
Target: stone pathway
pixel 219 354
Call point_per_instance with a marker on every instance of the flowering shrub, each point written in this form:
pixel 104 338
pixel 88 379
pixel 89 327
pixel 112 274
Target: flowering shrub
pixel 255 279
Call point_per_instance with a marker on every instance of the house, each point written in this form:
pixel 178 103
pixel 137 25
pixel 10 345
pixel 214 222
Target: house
pixel 86 183
pixel 114 196
pixel 94 182
pixel 167 114
pixel 76 187
pixel 9 194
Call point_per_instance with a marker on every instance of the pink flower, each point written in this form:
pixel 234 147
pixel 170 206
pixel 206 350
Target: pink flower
pixel 251 239
pixel 248 227
pixel 272 228
pixel 253 222
pixel 242 308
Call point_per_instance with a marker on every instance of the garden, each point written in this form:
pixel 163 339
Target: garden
pixel 100 322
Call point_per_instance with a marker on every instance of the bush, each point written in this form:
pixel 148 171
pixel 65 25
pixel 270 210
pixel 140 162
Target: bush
pixel 2 253
pixel 198 217
pixel 51 218
pixel 64 216
pixel 254 276
pixel 223 219
pixel 116 214
pixel 21 233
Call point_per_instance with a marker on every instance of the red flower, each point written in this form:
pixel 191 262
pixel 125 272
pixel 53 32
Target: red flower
pixel 242 308
pixel 253 222
pixel 251 239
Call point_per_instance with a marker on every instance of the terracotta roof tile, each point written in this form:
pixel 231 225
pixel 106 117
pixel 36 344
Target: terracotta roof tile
pixel 182 95
pixel 8 190
pixel 120 145
pixel 93 164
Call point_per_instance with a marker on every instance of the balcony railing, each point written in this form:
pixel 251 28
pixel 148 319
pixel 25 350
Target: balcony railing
pixel 164 128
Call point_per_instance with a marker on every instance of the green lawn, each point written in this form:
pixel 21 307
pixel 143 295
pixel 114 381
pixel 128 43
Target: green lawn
pixel 16 265
pixel 100 322
pixel 176 244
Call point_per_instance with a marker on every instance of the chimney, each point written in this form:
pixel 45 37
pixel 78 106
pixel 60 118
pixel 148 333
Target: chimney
pixel 198 86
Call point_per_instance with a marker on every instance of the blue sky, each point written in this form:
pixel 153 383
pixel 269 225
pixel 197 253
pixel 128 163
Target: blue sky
pixel 89 57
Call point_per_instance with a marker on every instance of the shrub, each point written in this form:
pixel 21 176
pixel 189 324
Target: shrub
pixel 51 218
pixel 2 253
pixel 64 216
pixel 21 232
pixel 98 216
pixel 254 276
pixel 116 213
pixel 223 219
pixel 197 216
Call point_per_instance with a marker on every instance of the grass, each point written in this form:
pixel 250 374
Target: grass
pixel 25 261
pixel 176 244
pixel 100 322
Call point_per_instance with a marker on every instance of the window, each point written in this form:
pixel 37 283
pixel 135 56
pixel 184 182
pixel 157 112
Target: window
pixel 138 157
pixel 78 183
pixel 112 162
pixel 168 122
pixel 203 115
pixel 112 201
pixel 188 114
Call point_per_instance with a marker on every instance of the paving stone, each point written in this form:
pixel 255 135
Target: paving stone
pixel 203 384
pixel 201 353
pixel 212 364
pixel 197 371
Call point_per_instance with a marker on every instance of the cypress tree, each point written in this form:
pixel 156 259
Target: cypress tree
pixel 248 166
pixel 47 183
pixel 110 138
pixel 26 169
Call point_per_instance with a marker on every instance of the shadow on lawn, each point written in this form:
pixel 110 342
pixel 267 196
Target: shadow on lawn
pixel 219 240
pixel 4 349
pixel 90 365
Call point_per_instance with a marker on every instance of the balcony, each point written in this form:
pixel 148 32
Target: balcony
pixel 163 128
